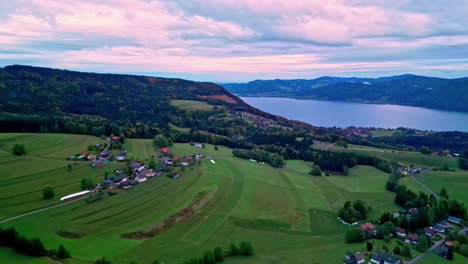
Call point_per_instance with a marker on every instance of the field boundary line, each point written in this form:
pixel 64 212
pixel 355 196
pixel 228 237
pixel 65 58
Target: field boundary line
pixel 42 210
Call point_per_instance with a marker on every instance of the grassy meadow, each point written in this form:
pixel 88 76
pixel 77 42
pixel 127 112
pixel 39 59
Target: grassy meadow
pixel 190 105
pixel 288 215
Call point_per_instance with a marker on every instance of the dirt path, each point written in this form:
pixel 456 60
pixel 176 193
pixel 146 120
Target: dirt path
pixel 425 186
pixel 43 209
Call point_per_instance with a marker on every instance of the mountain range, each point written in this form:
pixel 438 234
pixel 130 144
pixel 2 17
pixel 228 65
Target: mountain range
pixel 409 90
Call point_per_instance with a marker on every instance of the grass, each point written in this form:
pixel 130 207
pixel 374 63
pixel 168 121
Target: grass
pixel 190 105
pixel 456 183
pixel 9 255
pixel 436 259
pixel 288 215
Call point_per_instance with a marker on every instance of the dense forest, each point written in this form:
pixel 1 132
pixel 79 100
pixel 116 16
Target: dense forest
pixel 411 90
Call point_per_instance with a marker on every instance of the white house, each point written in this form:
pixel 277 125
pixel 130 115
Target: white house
pixel 140 178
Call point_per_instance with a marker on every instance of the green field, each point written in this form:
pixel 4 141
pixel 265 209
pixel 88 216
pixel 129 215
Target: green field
pixel 190 105
pixel 287 214
pixel 455 182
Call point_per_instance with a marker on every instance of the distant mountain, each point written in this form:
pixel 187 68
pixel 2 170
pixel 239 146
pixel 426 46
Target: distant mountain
pixel 411 90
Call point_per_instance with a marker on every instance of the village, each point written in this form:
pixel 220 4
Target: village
pixel 134 171
pixel 436 233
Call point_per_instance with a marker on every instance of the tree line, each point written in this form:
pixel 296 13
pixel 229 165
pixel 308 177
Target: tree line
pixel 273 159
pixel 218 254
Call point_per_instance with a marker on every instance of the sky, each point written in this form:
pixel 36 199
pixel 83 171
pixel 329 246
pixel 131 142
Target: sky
pixel 239 40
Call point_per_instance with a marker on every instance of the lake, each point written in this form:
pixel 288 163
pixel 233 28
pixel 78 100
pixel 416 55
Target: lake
pixel 344 114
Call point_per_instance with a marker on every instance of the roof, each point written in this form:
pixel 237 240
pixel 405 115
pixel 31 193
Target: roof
pixel 140 176
pixel 429 230
pixel 449 243
pixel 400 230
pixel 164 149
pixel 98 162
pixel 387 258
pixel 359 256
pixel 454 219
pixel 367 226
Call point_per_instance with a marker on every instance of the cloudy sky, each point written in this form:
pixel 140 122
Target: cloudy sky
pixel 239 40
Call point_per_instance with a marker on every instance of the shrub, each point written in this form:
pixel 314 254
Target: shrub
pixel 316 171
pixel 48 192
pixel 19 149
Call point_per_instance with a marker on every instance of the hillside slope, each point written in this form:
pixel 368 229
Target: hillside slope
pixel 411 90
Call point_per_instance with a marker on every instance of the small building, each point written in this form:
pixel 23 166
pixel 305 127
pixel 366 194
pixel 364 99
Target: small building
pixel 83 154
pixel 98 163
pixel 165 150
pixel 448 243
pixel 400 232
pixel 140 178
pixel 412 239
pixel 137 166
pixel 115 138
pixel 198 156
pixel 148 173
pixel 121 156
pixel 97 145
pixel 368 228
pixel 184 163
pixel 91 157
pixel 173 175
pixel 349 258
pixel 430 232
pixel 438 228
pixel 198 145
pixel 158 173
pixel 118 178
pixel 167 160
pixel 105 155
pixel 455 220
pixel 444 224
pixel 381 257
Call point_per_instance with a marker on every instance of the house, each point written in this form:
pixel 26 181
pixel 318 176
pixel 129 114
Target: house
pixel 158 173
pixel 413 211
pixel 400 232
pixel 438 228
pixel 188 157
pixel 184 163
pixel 115 138
pixel 121 156
pixel 175 157
pixel 140 178
pixel 137 166
pixel 163 166
pixel 349 258
pixel 167 160
pixel 444 224
pixel 97 145
pixel 91 157
pixel 449 243
pixel 98 163
pixel 106 155
pixel 368 228
pixel 396 215
pixel 118 178
pixel 198 145
pixel 147 173
pixel 83 154
pixel 173 175
pixel 454 220
pixel 412 239
pixel 430 232
pixel 198 156
pixel 381 257
pixel 165 150
pixel 360 257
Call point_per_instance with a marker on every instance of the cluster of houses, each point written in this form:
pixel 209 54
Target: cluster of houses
pixel 139 175
pixel 412 170
pixel 378 257
pixel 104 157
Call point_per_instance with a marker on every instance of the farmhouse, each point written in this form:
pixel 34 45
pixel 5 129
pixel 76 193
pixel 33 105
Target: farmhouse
pixel 400 232
pixel 137 166
pixel 380 257
pixel 140 178
pixel 83 154
pixel 121 156
pixel 368 228
pixel 117 179
pixel 438 228
pixel 444 224
pixel 351 258
pixel 98 163
pixel 106 155
pixel 198 145
pixel 430 232
pixel 412 239
pixel 147 173
pixel 91 157
pixel 454 220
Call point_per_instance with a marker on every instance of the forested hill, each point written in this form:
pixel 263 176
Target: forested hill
pixel 53 100
pixel 411 90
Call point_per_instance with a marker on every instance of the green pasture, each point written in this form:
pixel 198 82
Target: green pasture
pixel 456 183
pixel 190 105
pixel 288 215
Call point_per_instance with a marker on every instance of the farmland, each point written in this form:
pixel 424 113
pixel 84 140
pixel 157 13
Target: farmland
pixel 288 215
pixel 190 105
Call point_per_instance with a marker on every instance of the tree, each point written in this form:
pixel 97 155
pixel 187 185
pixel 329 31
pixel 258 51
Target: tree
pixel 354 235
pixel 422 245
pixel 316 171
pixel 397 250
pixel 369 246
pixel 406 251
pixel 233 250
pixel 425 150
pixel 69 167
pixel 62 253
pixel 246 248
pixel 443 192
pixel 209 258
pixel 19 149
pixel 48 193
pixel 87 184
pixel 449 254
pixel 216 147
pixel 219 254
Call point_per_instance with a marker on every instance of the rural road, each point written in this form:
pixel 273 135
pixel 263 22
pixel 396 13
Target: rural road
pixel 425 186
pixel 43 209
